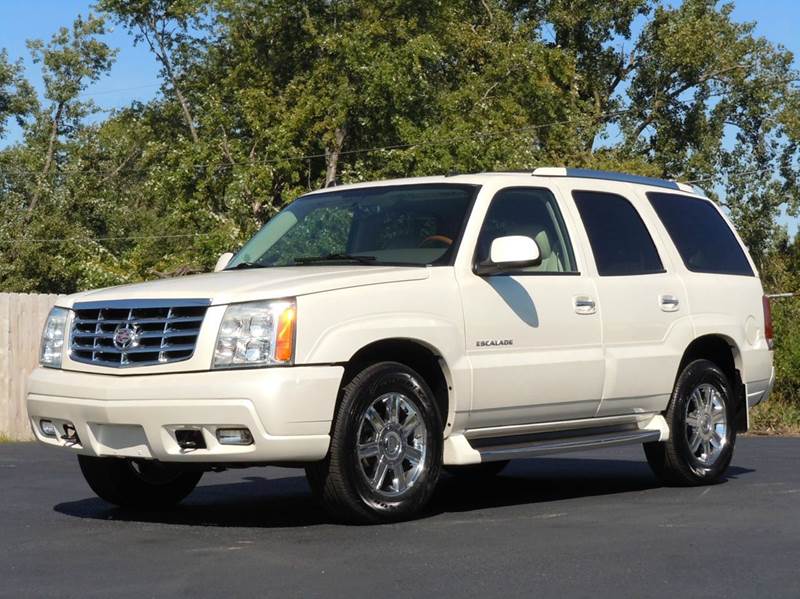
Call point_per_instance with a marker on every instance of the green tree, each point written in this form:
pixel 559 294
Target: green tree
pixel 705 80
pixel 73 59
pixel 265 100
pixel 37 199
pixel 164 26
pixel 694 95
pixel 17 97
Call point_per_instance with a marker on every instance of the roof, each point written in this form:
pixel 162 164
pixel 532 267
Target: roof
pixel 567 172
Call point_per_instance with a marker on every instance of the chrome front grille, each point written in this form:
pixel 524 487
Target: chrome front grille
pixel 122 334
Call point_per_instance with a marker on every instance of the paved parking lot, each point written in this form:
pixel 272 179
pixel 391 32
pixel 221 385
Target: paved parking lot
pixel 584 525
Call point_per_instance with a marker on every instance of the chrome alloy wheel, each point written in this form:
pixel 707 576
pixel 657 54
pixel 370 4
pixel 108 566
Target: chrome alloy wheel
pixel 706 424
pixel 391 445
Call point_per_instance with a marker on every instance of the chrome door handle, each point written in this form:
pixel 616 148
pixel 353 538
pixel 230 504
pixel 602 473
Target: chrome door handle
pixel 585 305
pixel 669 303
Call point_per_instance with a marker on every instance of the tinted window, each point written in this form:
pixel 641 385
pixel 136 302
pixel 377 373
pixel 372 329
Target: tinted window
pixel 703 238
pixel 620 241
pixel 533 213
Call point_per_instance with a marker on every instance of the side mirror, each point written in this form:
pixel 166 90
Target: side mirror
pixel 223 261
pixel 509 253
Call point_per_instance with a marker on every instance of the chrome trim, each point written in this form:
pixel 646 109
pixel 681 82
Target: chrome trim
pixel 141 320
pixel 537 448
pixel 706 425
pixel 559 425
pixel 142 303
pixel 391 437
pixel 167 331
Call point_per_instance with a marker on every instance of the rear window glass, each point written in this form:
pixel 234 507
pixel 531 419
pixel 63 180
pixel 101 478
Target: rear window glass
pixel 703 238
pixel 620 242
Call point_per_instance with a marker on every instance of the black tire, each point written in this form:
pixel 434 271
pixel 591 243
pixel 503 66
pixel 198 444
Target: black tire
pixel 673 461
pixel 138 485
pixel 477 472
pixel 340 481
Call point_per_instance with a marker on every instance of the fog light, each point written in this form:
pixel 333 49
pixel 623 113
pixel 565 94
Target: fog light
pixel 234 436
pixel 48 428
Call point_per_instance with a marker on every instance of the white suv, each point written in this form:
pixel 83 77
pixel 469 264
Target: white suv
pixel 377 333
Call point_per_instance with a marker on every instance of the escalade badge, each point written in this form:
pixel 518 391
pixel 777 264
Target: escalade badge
pixel 126 335
pixel 493 342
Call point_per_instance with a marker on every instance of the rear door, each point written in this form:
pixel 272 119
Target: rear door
pixel 724 291
pixel 642 300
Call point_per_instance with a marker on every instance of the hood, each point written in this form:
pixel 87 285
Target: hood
pixel 254 284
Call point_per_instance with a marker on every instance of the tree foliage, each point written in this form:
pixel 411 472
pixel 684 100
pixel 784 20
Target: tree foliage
pixel 17 97
pixel 262 101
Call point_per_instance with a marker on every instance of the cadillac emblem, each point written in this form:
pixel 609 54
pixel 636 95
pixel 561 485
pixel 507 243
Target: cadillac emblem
pixel 126 335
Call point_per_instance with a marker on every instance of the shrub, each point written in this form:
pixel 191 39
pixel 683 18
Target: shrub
pixel 781 413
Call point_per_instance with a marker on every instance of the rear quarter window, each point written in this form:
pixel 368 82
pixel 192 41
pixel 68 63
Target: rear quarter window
pixel 703 238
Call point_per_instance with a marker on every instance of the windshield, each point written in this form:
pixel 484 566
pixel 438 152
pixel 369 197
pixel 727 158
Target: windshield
pixel 398 225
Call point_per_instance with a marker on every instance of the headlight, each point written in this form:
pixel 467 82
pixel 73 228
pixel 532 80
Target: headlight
pixel 55 329
pixel 256 334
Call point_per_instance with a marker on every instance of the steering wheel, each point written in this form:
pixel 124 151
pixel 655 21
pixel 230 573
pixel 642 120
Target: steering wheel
pixel 436 241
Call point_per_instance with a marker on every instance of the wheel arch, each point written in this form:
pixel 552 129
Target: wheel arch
pixel 725 353
pixel 417 355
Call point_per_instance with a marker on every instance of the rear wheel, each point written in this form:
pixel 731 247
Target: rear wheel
pixel 701 418
pixel 142 484
pixel 386 448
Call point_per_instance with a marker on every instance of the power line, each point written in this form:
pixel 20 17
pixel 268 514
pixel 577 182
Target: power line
pixel 115 238
pixel 104 92
pixel 195 235
pixel 712 178
pixel 399 146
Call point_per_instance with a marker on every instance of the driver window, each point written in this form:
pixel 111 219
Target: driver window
pixel 534 213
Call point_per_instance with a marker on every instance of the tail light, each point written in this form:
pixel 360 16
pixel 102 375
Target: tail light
pixel 769 332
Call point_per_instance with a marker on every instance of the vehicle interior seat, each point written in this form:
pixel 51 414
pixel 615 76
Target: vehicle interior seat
pixel 550 260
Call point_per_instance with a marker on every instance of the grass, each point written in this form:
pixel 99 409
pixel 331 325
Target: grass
pixel 776 416
pixel 5 438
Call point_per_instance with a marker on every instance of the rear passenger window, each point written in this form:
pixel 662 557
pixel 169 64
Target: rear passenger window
pixel 620 242
pixel 703 238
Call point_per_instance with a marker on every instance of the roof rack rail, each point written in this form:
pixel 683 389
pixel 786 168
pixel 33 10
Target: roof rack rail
pixel 586 173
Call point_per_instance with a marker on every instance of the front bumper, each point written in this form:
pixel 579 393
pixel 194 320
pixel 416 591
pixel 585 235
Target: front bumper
pixel 287 410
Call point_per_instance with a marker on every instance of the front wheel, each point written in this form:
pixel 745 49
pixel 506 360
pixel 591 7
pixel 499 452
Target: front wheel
pixel 386 448
pixel 701 419
pixel 140 484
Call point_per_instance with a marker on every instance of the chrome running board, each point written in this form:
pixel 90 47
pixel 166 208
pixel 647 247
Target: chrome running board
pixel 507 448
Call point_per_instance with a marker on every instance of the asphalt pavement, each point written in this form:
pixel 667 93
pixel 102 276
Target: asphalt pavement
pixel 580 525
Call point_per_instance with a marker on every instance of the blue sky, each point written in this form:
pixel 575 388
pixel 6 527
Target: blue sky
pixel 133 77
pixel 135 74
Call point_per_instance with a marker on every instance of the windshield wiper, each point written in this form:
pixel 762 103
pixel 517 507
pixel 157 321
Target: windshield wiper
pixel 243 265
pixel 336 258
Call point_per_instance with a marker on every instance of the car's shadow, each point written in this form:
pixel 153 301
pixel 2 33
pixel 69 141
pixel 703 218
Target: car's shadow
pixel 286 502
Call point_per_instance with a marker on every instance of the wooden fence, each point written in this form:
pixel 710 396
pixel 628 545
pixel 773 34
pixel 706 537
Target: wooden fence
pixel 22 317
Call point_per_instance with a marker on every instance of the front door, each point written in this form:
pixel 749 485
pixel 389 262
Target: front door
pixel 533 336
